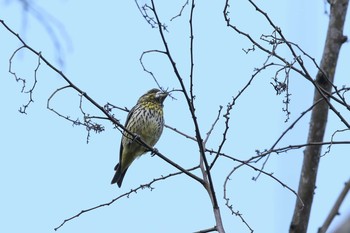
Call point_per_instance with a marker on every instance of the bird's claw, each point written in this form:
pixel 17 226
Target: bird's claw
pixel 136 137
pixel 154 152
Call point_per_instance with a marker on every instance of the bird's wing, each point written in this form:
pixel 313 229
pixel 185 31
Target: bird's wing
pixel 131 112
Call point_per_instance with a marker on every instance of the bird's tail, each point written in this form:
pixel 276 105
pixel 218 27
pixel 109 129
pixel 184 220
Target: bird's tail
pixel 119 175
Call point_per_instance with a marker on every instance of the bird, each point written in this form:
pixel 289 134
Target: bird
pixel 145 120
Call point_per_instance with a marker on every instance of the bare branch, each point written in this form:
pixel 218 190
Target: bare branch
pixel 332 139
pixel 127 194
pixel 191 55
pixel 30 90
pixel 335 209
pixel 227 199
pixel 181 133
pixel 247 163
pixel 110 106
pixel 180 13
pixel 213 126
pixel 206 230
pixel 230 106
pixel 18 79
pixel 144 67
pixel 144 12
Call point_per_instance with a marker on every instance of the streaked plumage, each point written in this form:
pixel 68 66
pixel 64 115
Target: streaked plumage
pixel 145 119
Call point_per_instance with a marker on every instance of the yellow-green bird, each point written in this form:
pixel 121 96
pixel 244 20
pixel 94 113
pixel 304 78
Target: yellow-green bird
pixel 145 120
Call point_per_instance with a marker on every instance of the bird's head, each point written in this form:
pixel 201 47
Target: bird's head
pixel 154 95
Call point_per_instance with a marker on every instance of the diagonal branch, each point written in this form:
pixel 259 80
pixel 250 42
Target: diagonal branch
pixel 127 194
pixel 98 106
pixel 335 210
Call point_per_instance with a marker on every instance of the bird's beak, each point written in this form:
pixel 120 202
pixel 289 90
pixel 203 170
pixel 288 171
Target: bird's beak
pixel 161 96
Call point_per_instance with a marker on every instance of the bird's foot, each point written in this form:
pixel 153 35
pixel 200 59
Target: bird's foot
pixel 154 152
pixel 137 137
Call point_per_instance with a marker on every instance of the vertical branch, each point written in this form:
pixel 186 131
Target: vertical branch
pixel 203 160
pixel 189 99
pixel 191 52
pixel 324 79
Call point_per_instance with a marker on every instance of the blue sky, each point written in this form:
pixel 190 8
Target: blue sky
pixel 49 173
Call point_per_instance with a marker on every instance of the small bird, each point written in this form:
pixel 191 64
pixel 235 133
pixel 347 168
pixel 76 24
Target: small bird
pixel 146 121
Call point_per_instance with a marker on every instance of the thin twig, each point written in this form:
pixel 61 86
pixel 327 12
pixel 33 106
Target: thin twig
pixel 181 133
pixel 213 125
pixel 180 13
pixel 144 67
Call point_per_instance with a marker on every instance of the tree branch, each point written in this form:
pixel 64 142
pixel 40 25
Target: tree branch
pixel 127 194
pixel 335 210
pixel 319 115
